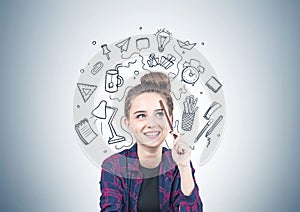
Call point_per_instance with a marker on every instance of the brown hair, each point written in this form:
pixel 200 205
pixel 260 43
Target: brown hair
pixel 156 82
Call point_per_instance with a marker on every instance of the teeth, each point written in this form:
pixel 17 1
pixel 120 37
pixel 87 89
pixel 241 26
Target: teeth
pixel 152 133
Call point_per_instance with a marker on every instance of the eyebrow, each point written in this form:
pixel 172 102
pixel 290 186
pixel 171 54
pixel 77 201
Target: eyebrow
pixel 144 111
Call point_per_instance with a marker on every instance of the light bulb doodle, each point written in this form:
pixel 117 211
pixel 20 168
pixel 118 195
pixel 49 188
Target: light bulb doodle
pixel 163 37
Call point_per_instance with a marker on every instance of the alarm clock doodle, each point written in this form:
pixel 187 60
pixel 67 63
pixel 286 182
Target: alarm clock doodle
pixel 199 105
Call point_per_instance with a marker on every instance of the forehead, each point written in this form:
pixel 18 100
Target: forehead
pixel 146 102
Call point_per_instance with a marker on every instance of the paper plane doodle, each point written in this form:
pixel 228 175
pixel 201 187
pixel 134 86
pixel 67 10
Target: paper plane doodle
pixel 123 45
pixel 186 45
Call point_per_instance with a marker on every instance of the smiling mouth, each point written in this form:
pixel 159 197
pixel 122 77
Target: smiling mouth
pixel 152 134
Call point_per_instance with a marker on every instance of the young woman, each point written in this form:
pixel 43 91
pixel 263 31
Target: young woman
pixel 149 177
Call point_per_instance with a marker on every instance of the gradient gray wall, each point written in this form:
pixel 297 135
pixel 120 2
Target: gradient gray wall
pixel 253 47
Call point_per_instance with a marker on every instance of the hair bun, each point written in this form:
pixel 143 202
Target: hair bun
pixel 156 80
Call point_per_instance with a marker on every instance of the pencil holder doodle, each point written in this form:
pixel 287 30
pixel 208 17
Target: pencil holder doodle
pixel 187 121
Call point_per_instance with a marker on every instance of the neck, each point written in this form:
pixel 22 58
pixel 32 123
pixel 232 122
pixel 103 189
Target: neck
pixel 149 157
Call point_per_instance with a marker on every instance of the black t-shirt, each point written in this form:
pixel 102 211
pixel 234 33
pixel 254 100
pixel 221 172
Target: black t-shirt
pixel 148 200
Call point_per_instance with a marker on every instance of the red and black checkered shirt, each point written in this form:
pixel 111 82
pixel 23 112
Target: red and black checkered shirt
pixel 121 182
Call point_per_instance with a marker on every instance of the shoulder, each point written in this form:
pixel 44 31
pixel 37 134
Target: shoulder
pixel 114 159
pixel 117 163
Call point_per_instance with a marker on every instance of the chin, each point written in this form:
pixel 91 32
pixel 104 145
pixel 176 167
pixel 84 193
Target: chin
pixel 152 144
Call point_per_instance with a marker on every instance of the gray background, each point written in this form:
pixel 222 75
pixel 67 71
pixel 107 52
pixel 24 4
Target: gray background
pixel 252 45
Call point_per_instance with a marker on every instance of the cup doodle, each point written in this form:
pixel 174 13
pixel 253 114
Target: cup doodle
pixel 113 80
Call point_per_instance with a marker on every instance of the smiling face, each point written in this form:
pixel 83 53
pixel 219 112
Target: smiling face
pixel 147 121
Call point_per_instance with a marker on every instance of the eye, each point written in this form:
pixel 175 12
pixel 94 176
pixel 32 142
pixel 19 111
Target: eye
pixel 140 116
pixel 160 114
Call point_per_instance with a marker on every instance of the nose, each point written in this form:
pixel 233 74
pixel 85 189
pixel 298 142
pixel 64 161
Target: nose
pixel 150 122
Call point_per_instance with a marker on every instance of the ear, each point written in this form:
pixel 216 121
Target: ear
pixel 126 123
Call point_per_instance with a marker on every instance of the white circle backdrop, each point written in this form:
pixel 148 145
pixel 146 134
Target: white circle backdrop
pixel 199 105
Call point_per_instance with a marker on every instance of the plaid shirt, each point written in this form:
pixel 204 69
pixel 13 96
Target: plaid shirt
pixel 121 182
